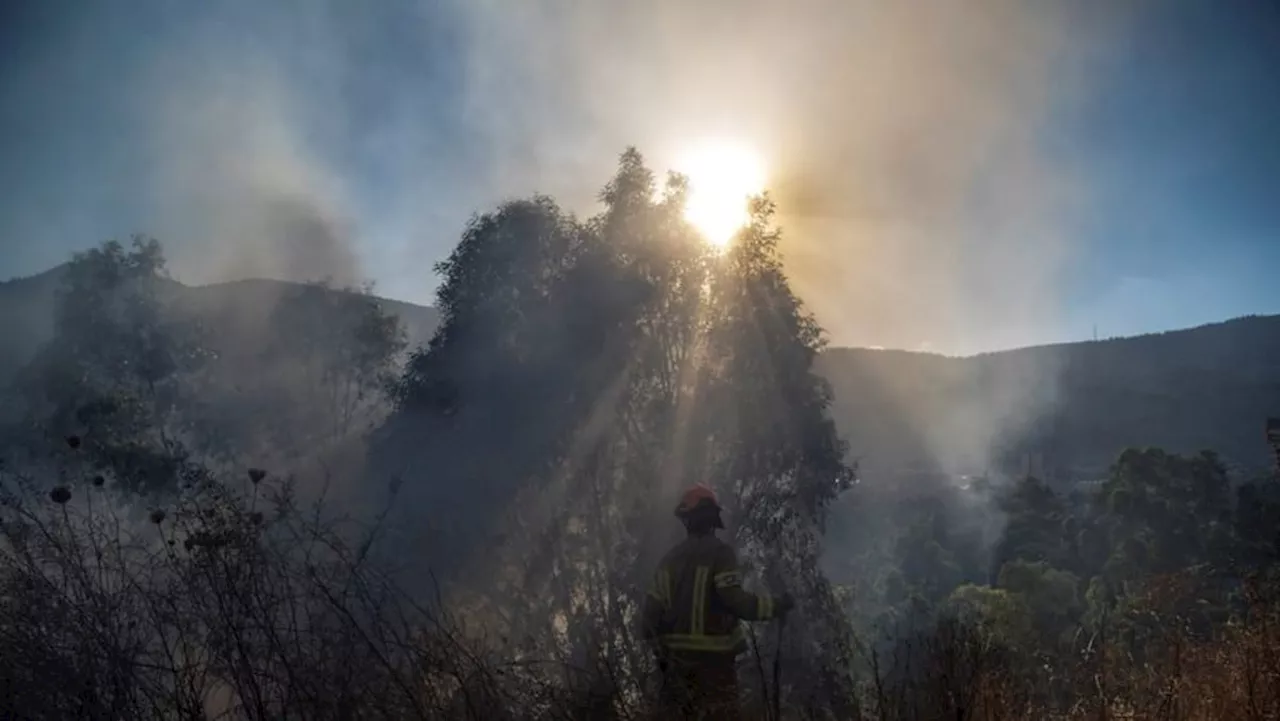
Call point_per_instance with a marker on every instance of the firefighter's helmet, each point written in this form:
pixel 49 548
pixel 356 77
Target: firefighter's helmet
pixel 699 499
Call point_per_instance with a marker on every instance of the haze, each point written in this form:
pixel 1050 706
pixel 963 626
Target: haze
pixel 952 176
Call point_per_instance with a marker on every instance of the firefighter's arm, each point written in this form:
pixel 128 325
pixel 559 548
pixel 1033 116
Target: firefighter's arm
pixel 727 579
pixel 656 602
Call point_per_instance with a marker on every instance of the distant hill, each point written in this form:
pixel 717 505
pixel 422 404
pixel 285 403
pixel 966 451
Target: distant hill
pixel 247 302
pixel 1060 411
pixel 231 310
pixel 26 317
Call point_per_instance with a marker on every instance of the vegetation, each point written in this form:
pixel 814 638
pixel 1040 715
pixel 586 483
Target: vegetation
pixel 1150 595
pixel 583 373
pixel 517 475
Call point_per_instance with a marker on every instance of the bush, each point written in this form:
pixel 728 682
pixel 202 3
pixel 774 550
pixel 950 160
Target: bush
pixel 225 603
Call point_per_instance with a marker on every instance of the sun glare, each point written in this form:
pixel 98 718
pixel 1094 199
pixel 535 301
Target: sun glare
pixel 722 176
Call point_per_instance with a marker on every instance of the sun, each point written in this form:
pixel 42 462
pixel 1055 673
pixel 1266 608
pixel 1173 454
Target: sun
pixel 722 176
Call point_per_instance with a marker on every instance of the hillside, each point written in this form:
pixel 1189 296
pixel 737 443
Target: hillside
pixel 232 311
pixel 26 317
pixel 1062 411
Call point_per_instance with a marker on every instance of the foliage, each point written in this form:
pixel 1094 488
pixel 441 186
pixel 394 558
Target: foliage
pixel 998 612
pixel 1035 527
pixel 115 374
pixel 156 384
pixel 1102 601
pixel 224 603
pixel 316 376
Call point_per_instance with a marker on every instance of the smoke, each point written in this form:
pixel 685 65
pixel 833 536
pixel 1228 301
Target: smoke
pixel 928 212
pixel 236 183
pixel 911 149
pixel 246 203
pixel 910 145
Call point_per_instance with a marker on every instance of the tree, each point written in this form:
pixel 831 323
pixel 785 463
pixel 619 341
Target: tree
pixel 1036 523
pixel 1051 594
pixel 582 374
pixel 114 375
pixel 1257 524
pixel 1000 613
pixel 1164 512
pixel 771 442
pixel 926 551
pixel 317 376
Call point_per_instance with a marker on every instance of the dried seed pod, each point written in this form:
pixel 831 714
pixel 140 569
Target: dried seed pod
pixel 60 495
pixel 73 441
pixel 157 516
pixel 256 475
pixel 98 480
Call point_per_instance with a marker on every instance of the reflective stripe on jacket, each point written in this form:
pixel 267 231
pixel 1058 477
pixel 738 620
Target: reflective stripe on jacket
pixel 696 599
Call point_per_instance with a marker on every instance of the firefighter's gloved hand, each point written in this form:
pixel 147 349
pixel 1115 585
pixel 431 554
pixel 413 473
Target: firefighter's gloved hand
pixel 783 605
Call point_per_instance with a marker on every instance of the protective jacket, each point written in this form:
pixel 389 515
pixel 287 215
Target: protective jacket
pixel 696 601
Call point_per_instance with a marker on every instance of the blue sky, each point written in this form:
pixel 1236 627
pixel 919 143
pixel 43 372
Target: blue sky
pixel 1182 138
pixel 950 178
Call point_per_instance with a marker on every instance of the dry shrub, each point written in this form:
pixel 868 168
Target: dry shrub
pixel 1161 660
pixel 950 670
pixel 226 604
pixel 1178 666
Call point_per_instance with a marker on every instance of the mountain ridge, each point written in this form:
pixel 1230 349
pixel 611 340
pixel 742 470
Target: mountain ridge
pixel 52 276
pixel 1059 410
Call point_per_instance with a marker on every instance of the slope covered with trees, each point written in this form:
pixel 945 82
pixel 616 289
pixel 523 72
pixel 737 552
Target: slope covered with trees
pixel 1151 594
pixel 143 368
pixel 1066 411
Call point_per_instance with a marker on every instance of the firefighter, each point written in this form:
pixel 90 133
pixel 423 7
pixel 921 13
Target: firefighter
pixel 692 615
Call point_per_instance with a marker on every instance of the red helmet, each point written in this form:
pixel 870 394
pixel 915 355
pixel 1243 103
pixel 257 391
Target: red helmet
pixel 696 497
